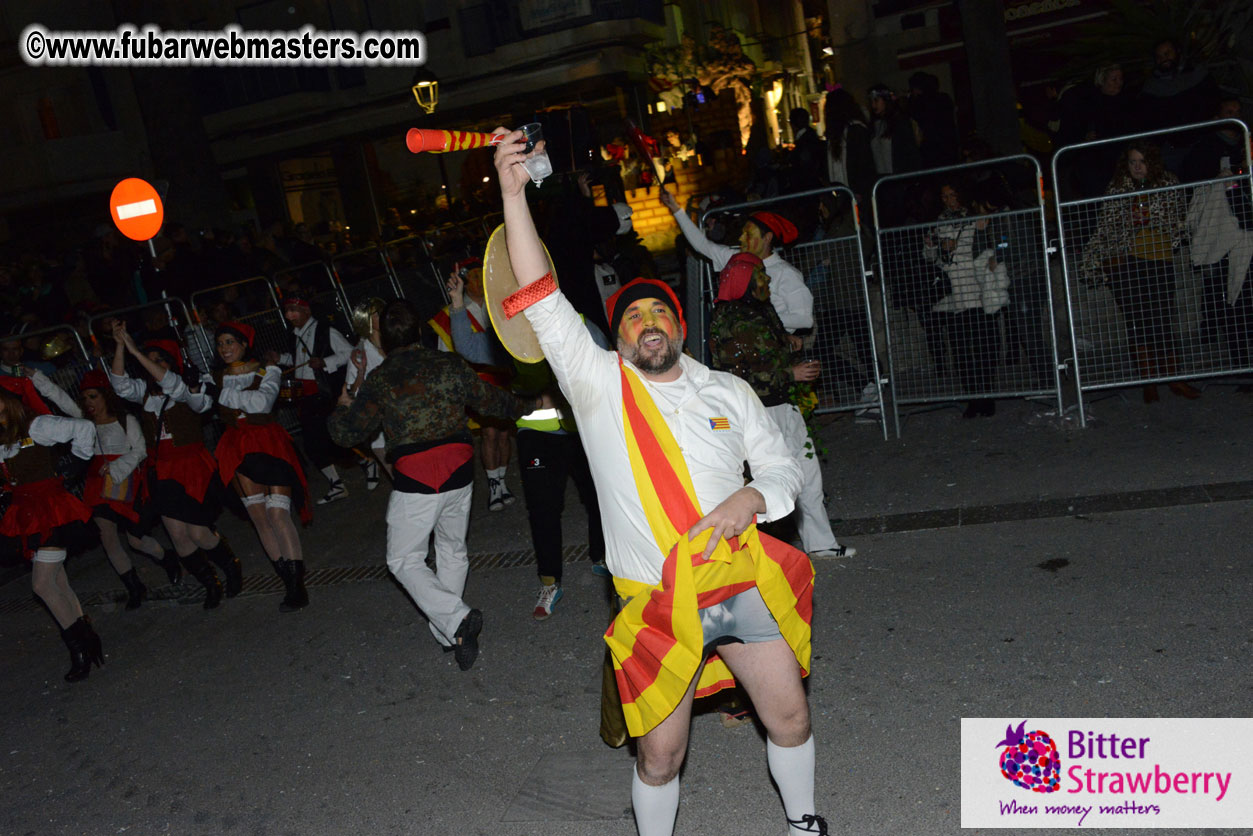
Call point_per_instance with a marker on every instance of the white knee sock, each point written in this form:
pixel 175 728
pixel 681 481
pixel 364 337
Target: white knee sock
pixel 792 768
pixel 655 807
pixel 331 474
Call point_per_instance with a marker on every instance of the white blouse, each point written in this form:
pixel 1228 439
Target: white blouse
pixel 46 430
pixel 255 401
pixel 127 444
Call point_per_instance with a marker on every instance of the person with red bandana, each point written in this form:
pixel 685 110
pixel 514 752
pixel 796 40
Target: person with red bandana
pixel 763 232
pixel 708 599
pixel 256 457
pixel 39 511
pixel 184 489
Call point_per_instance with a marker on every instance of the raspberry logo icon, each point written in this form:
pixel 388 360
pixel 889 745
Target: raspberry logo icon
pixel 1030 759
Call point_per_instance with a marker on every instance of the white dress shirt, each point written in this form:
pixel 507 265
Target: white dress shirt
pixel 589 378
pixel 46 430
pixel 341 349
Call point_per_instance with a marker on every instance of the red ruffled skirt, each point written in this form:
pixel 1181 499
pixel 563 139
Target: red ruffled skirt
pixel 93 487
pixel 191 465
pixel 245 439
pixel 41 508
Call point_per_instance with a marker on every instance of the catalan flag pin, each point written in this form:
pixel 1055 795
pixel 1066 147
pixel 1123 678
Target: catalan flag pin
pixel 719 423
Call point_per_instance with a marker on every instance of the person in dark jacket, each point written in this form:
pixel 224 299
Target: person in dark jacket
pixel 806 162
pixel 1175 93
pixel 849 160
pixel 935 116
pixel 892 141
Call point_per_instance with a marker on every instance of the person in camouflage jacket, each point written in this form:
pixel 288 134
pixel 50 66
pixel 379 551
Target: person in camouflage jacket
pixel 747 339
pixel 418 398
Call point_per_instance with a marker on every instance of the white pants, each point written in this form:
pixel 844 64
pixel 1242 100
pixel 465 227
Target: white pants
pixel 410 519
pixel 812 522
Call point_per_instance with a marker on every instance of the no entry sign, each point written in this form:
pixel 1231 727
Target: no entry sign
pixel 136 209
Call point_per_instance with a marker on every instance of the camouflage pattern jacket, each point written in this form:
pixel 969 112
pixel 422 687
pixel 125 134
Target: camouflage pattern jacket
pixel 747 339
pixel 417 397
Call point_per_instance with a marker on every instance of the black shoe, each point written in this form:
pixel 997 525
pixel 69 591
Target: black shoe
pixel 173 569
pixel 467 636
pixel 200 569
pixel 293 574
pixel 85 649
pixel 136 592
pixel 224 558
pixel 810 824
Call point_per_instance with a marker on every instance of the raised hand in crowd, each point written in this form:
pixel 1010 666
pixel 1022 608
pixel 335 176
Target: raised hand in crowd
pixel 668 200
pixel 508 159
pixel 456 291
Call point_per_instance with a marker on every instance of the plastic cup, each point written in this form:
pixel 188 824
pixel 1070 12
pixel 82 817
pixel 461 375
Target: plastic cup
pixel 536 165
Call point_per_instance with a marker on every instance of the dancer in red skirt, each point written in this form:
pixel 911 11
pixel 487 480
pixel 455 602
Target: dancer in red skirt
pixel 183 487
pixel 257 459
pixel 40 510
pixel 115 481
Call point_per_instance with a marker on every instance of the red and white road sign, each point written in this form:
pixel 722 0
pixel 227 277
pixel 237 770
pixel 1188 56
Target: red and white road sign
pixel 136 209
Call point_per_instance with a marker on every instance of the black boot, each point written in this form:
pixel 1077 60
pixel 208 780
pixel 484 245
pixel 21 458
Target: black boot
pixel 199 568
pixel 136 592
pixel 224 558
pixel 169 562
pixel 85 649
pixel 293 574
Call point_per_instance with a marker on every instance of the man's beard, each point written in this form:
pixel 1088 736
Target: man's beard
pixel 653 361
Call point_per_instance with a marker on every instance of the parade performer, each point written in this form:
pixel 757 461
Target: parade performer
pixel 365 358
pixel 40 510
pixel 709 600
pixel 319 355
pixel 115 482
pixel 747 339
pixel 182 488
pixel 256 457
pixel 463 326
pixel 762 234
pixel 418 398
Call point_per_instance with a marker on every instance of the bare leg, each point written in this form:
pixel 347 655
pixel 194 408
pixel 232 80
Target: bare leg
pixel 146 544
pixel 660 753
pixel 180 536
pixel 113 547
pixel 50 583
pixel 203 536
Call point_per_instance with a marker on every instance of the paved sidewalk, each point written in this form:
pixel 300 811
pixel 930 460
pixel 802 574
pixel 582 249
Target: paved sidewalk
pixel 977 591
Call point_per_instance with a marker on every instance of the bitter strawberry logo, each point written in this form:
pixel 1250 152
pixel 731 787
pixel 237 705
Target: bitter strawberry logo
pixel 1030 759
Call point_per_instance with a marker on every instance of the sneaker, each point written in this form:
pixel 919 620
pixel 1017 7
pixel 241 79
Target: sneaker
pixel 336 492
pixel 869 414
pixel 600 569
pixel 809 824
pixel 495 501
pixel 833 554
pixel 371 469
pixel 505 496
pixel 467 635
pixel 734 715
pixel 548 598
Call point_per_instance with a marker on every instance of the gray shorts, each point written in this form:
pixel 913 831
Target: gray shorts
pixel 741 618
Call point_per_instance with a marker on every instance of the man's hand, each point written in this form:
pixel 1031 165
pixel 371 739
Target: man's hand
pixel 795 343
pixel 668 200
pixel 730 518
pixel 317 363
pixel 270 358
pixel 508 160
pixel 358 359
pixel 585 183
pixel 456 291
pixel 807 371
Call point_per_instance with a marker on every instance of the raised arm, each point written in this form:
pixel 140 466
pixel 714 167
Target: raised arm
pixel 526 252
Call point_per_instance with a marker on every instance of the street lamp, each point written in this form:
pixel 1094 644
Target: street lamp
pixel 426 89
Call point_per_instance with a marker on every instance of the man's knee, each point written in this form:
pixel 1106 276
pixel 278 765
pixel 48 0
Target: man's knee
pixel 656 768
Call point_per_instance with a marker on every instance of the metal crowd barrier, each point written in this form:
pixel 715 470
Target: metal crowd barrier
pixel 319 281
pixel 956 329
pixel 173 314
pixel 1156 277
pixel 363 273
pixel 416 273
pixel 63 357
pixel 831 259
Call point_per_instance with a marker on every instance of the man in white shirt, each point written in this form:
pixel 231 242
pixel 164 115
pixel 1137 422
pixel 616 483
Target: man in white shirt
pixel 762 232
pixel 321 356
pixel 11 366
pixel 666 438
